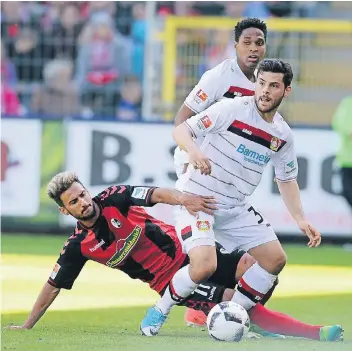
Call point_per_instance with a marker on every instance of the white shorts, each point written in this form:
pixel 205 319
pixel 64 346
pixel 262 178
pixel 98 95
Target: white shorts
pixel 241 227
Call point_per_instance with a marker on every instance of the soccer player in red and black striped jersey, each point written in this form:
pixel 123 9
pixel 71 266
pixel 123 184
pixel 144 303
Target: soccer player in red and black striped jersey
pixel 114 230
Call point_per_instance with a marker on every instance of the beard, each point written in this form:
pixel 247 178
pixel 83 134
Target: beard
pixel 275 104
pixel 86 217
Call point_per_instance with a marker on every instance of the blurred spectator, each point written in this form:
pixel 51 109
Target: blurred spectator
pixel 257 9
pixel 124 17
pixel 50 15
pixel 235 9
pixel 95 7
pixel 14 15
pixel 280 8
pixel 342 124
pixel 8 71
pixel 208 8
pixel 57 97
pixel 138 36
pixel 10 103
pixel 103 61
pixel 27 55
pixel 183 8
pixel 129 107
pixel 66 31
pixel 308 9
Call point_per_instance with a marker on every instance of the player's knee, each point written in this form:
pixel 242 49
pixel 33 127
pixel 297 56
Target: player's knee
pixel 244 264
pixel 270 257
pixel 203 263
pixel 279 262
pixel 201 270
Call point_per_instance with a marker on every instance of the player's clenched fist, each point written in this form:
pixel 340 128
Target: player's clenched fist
pixel 197 203
pixel 200 161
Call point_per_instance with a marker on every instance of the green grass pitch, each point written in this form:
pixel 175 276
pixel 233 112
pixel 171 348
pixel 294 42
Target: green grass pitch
pixel 104 309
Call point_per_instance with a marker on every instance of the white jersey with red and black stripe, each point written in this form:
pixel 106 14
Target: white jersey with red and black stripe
pixel 239 144
pixel 226 80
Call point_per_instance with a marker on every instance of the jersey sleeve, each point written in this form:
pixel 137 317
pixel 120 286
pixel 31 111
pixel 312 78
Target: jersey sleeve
pixel 68 266
pixel 205 93
pixel 124 196
pixel 285 162
pixel 214 119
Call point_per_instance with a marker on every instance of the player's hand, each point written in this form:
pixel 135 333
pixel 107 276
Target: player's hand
pixel 312 233
pixel 200 161
pixel 197 203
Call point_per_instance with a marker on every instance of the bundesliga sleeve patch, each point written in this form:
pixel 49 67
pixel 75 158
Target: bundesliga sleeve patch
pixel 140 193
pixel 204 123
pixel 202 95
pixel 55 271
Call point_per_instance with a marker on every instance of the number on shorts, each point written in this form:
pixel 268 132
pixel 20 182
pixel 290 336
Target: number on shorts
pixel 261 220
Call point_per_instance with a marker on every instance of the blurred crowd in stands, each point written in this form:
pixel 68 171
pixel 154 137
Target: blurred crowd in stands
pixel 85 59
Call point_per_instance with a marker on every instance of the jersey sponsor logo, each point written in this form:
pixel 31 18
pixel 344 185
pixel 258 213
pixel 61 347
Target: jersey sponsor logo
pixel 238 92
pixel 140 192
pixel 291 164
pixel 201 94
pixel 128 244
pixel 253 156
pixel 203 225
pixel 275 143
pixel 55 271
pixel 116 223
pixel 244 130
pixel 96 247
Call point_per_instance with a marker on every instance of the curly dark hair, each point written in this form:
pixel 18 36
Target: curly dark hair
pixel 250 23
pixel 277 66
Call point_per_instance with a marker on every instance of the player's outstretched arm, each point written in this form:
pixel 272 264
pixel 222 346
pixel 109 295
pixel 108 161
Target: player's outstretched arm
pixel 44 300
pixel 291 196
pixel 193 203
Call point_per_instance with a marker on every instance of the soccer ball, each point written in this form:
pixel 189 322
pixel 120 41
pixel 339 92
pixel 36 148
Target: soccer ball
pixel 228 321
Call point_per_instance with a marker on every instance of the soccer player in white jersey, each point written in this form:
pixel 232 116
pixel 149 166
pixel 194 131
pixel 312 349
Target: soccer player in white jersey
pixel 240 137
pixel 231 78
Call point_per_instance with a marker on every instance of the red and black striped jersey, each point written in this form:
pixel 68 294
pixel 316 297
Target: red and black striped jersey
pixel 124 237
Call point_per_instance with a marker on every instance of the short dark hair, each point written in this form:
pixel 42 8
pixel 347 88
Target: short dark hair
pixel 250 23
pixel 277 66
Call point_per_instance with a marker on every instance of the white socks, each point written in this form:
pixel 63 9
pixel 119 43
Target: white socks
pixel 180 287
pixel 253 285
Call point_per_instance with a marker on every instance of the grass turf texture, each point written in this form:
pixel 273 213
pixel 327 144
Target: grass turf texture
pixel 79 321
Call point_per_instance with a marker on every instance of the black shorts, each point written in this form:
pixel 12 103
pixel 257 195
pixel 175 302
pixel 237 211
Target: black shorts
pixel 210 292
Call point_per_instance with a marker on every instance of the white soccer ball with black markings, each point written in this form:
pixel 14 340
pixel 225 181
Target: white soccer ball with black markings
pixel 228 321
